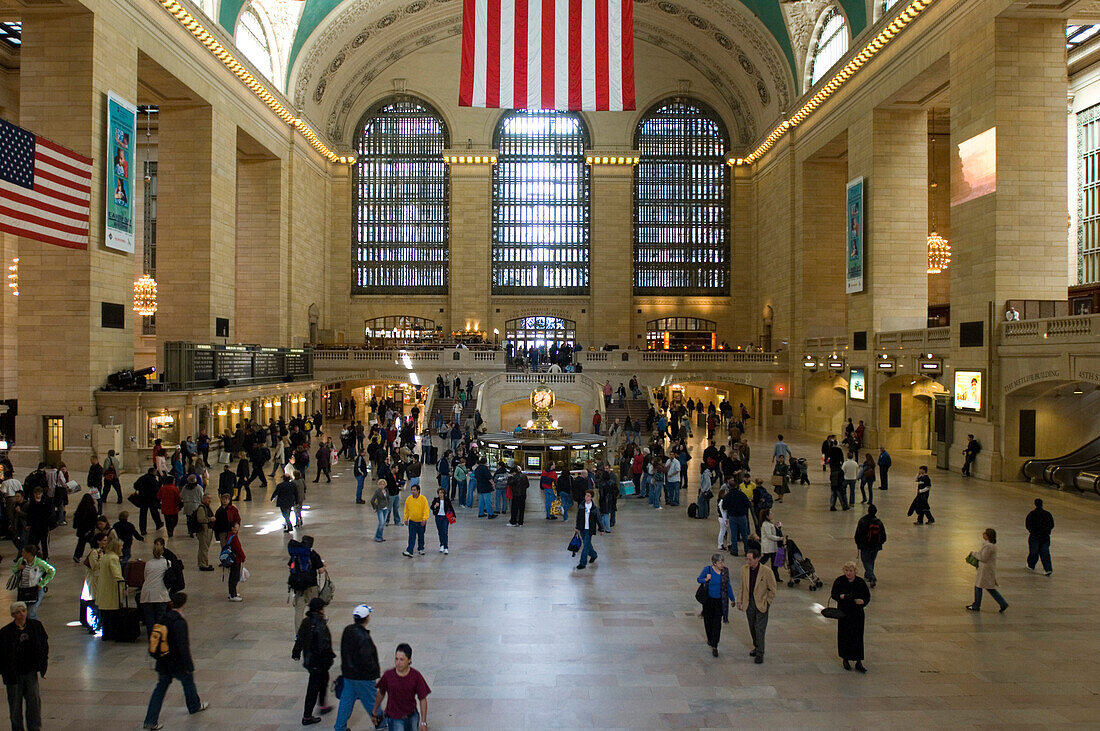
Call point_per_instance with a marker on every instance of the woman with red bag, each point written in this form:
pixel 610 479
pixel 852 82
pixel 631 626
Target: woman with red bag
pixel 444 514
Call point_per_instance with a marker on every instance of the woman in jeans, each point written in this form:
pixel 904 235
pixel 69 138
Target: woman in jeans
pixel 718 598
pixel 986 557
pixel 401 686
pixel 770 540
pixel 233 543
pixel 442 509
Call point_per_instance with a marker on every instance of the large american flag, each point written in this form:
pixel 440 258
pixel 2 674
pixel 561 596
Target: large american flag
pixel 45 189
pixel 547 54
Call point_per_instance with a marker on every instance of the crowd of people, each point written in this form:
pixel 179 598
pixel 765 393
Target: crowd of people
pixel 179 483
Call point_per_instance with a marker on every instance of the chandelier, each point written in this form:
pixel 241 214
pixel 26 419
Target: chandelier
pixel 939 249
pixel 145 296
pixel 13 276
pixel 939 253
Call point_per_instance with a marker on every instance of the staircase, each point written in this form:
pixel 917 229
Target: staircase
pixel 446 406
pixel 636 409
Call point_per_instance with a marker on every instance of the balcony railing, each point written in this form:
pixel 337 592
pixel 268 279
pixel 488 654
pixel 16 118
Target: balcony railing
pixel 1063 329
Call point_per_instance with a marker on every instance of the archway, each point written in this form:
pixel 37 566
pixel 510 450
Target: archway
pixel 540 331
pixel 825 401
pixel 905 411
pixel 1046 420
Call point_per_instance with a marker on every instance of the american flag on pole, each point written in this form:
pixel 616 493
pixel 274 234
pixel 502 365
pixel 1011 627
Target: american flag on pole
pixel 45 189
pixel 548 54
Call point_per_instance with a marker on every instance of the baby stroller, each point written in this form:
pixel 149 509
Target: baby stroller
pixel 799 567
pixel 799 473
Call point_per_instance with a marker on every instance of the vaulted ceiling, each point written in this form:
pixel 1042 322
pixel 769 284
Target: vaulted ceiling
pixel 751 51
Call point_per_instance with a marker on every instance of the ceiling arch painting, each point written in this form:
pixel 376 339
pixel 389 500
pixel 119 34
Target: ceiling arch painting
pixel 742 47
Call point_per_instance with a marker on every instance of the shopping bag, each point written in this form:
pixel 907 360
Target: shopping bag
pixel 626 487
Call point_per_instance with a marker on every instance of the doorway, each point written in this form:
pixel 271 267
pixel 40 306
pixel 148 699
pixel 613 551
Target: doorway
pixel 53 438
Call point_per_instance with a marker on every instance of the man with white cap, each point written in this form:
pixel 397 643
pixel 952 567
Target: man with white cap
pixel 358 666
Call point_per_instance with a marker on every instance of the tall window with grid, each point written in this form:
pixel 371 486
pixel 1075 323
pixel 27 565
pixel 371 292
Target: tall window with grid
pixel 681 201
pixel 540 204
pixel 402 201
pixel 830 45
pixel 1088 195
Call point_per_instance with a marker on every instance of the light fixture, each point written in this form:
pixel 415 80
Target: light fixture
pixel 1077 390
pixel 145 296
pixel 222 412
pixel 939 249
pixel 13 276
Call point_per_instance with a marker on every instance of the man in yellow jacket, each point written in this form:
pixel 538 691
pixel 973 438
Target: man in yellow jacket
pixel 757 592
pixel 416 517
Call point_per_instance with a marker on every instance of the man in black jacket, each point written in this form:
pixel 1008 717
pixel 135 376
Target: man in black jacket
pixel 519 484
pixel 176 664
pixel 147 487
pixel 24 655
pixel 358 665
pixel 1039 524
pixel 870 535
pixel 588 519
pixel 313 646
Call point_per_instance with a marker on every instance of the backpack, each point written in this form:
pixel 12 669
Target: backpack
pixel 158 641
pixel 874 535
pixel 693 510
pixel 227 558
pixel 301 572
pixel 173 577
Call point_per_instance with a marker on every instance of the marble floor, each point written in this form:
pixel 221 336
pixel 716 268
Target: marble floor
pixel 508 635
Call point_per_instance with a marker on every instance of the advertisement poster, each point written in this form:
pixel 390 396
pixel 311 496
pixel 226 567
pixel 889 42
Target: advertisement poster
pixel 968 390
pixel 121 142
pixel 854 238
pixel 857 385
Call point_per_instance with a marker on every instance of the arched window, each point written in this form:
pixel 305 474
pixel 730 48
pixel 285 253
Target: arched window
pixel 402 201
pixel 830 45
pixel 540 204
pixel 251 39
pixel 885 5
pixel 681 201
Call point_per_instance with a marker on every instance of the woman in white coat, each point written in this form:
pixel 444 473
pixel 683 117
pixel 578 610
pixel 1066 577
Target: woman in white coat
pixel 986 579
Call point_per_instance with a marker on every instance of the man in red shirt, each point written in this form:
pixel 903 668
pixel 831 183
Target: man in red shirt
pixel 403 686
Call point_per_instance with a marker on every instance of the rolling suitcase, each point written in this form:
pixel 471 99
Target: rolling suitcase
pixel 126 624
pixel 133 571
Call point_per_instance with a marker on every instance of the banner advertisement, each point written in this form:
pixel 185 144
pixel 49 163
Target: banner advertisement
pixel 121 143
pixel 857 385
pixel 855 241
pixel 968 391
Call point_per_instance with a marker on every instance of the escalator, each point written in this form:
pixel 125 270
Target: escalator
pixel 1065 471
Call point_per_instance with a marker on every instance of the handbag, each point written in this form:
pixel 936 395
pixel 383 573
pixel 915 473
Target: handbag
pixel 574 545
pixel 832 612
pixel 328 589
pixel 701 593
pixel 134 499
pixel 971 560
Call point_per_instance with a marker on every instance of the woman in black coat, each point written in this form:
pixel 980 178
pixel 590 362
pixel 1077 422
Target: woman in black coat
pixel 851 595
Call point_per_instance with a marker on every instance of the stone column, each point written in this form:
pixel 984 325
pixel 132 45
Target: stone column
pixel 470 260
pixel 261 255
pixel 611 258
pixel 892 157
pixel 1009 225
pixel 196 223
pixel 68 62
